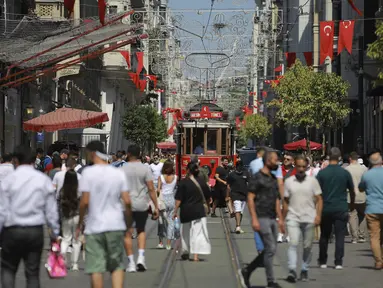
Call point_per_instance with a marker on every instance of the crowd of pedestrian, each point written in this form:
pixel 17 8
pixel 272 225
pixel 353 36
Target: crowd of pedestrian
pixel 337 195
pixel 100 207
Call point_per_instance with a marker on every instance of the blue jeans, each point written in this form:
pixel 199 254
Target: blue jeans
pixel 258 242
pixel 295 229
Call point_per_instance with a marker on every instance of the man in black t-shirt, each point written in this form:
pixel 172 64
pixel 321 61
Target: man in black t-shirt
pixel 263 200
pixel 220 187
pixel 237 186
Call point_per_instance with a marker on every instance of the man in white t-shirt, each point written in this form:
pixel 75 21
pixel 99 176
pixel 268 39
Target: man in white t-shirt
pixel 105 195
pixel 303 206
pixel 58 179
pixel 156 168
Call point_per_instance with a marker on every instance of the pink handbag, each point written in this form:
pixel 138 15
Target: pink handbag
pixel 56 265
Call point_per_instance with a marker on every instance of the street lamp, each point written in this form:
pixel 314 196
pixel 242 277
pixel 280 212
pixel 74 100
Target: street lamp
pixel 30 110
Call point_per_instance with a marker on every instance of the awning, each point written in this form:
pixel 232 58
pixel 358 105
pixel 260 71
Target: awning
pixel 302 145
pixel 65 118
pixel 167 145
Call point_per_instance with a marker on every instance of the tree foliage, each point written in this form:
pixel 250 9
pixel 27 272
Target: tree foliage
pixel 144 126
pixel 255 127
pixel 375 49
pixel 311 99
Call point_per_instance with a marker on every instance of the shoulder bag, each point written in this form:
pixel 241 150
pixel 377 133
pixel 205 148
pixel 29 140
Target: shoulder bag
pixel 207 210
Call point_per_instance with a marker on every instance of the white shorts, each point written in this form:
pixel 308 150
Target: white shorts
pixel 239 206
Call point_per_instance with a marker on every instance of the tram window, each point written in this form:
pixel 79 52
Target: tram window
pixel 211 140
pixel 187 141
pixel 198 141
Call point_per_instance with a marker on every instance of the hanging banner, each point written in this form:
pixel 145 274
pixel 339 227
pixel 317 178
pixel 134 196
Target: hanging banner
pixel 290 58
pixel 346 33
pixel 101 11
pixel 326 40
pixel 309 58
pixel 126 56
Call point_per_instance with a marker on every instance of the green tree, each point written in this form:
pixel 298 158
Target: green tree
pixel 255 127
pixel 144 126
pixel 311 99
pixel 375 49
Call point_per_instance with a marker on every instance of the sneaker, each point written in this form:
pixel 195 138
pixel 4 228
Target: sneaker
pixel 131 268
pixel 273 285
pixel 238 230
pixel 354 241
pixel 213 215
pixel 75 267
pixel 292 277
pixel 141 267
pixel 280 238
pixel 362 240
pixel 168 247
pixel 338 267
pixel 244 277
pixel 304 276
pixel 287 239
pixel 160 246
pixel 323 266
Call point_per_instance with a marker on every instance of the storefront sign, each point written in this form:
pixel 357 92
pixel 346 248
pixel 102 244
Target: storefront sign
pixel 205 113
pixel 40 137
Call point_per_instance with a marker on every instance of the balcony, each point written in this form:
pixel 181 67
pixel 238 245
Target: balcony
pixel 50 9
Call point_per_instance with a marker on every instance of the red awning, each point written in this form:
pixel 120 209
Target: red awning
pixel 301 145
pixel 65 118
pixel 167 145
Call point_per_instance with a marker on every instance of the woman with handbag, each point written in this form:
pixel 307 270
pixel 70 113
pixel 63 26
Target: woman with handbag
pixel 166 185
pixel 192 197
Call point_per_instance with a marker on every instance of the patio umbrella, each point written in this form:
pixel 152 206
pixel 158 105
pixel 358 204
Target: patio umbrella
pixel 301 145
pixel 167 145
pixel 65 118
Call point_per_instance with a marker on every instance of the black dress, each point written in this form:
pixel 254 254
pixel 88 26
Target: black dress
pixel 220 189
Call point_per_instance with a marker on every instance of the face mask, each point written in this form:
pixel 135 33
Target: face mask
pixel 300 176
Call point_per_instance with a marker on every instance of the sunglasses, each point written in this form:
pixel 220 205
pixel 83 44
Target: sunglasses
pixel 288 159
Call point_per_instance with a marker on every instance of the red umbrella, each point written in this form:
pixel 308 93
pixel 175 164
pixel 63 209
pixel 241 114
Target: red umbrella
pixel 65 118
pixel 301 145
pixel 167 145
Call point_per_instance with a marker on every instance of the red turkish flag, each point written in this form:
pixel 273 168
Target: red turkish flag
pixel 351 2
pixel 237 122
pixel 152 78
pixel 290 58
pixel 134 78
pixel 142 85
pixel 126 56
pixel 264 94
pixel 326 40
pixel 101 11
pixel 309 58
pixel 140 62
pixel 69 5
pixel 279 68
pixel 346 33
pixel 171 129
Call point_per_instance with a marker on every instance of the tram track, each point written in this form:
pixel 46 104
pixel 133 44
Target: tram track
pixel 168 268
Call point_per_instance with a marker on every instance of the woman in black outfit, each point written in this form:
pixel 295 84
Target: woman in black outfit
pixel 193 196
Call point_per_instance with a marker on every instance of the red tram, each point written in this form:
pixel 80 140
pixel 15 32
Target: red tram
pixel 206 131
